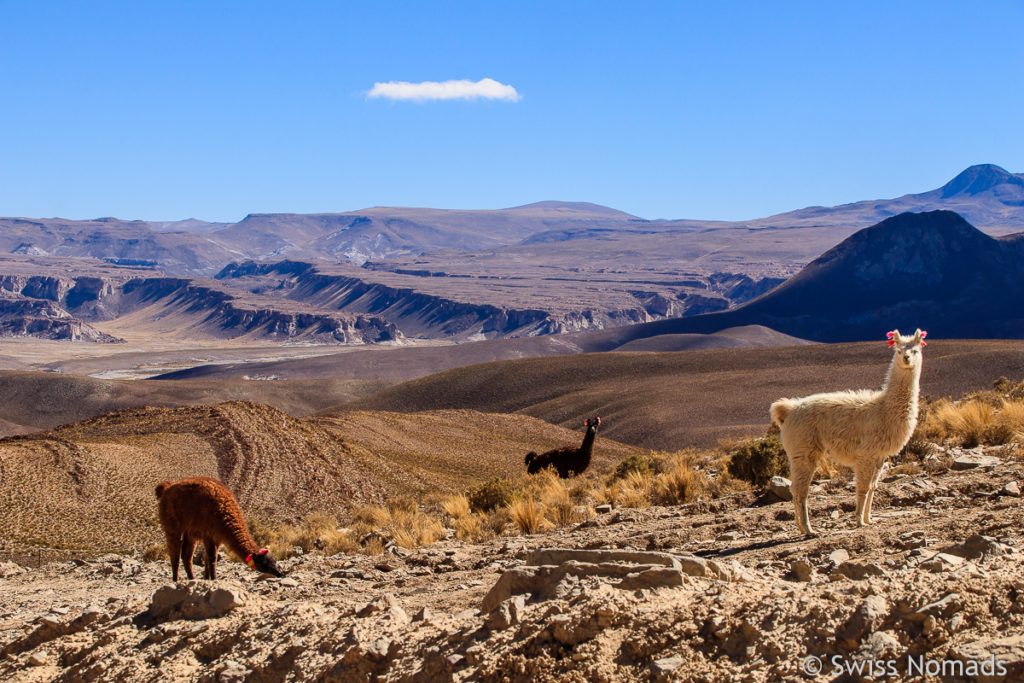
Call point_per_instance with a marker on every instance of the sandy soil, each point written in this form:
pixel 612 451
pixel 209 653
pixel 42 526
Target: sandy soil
pixel 912 590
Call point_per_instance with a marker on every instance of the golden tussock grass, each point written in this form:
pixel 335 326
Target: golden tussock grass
pixel 973 421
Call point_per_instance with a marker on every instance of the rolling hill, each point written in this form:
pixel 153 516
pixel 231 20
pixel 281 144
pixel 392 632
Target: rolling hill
pixel 89 485
pixel 695 398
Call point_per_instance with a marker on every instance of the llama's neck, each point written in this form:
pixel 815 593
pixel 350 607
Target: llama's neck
pixel 587 449
pixel 902 386
pixel 238 539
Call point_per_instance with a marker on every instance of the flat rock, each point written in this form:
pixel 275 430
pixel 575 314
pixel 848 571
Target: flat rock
pixel 970 460
pixel 995 659
pixel 858 571
pixel 1011 489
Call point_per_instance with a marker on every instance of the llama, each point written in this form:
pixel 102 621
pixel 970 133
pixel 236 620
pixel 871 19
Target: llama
pixel 568 461
pixel 859 429
pixel 203 509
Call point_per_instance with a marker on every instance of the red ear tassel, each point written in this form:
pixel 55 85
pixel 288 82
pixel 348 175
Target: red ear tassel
pixel 890 335
pixel 891 343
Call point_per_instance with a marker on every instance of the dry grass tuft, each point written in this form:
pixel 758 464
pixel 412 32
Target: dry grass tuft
pixel 973 421
pixel 527 514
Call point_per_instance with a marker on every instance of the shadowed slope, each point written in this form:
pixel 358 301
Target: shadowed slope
pixel 41 400
pixel 672 400
pixel 930 270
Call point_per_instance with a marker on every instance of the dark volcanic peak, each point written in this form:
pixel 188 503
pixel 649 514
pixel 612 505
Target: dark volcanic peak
pixel 932 270
pixel 978 179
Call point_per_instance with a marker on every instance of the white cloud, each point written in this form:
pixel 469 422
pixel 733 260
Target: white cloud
pixel 485 88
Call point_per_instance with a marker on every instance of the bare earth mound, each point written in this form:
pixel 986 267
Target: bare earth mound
pixel 90 486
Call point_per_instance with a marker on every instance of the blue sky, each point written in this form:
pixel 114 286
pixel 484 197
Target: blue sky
pixel 725 110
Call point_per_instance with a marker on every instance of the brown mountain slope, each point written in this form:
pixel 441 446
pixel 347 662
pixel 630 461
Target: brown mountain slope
pixel 672 400
pixel 90 485
pixel 42 400
pixel 451 450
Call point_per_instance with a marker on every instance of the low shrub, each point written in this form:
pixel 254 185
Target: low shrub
pixel 492 494
pixel 758 460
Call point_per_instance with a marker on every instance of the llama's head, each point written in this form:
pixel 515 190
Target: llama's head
pixel 908 349
pixel 263 562
pixel 592 424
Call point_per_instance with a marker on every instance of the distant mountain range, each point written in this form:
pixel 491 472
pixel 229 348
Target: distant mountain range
pixel 986 195
pixel 538 269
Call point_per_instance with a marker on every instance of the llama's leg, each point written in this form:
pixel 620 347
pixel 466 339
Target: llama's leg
pixel 801 468
pixel 211 558
pixel 174 551
pixel 188 547
pixel 871 493
pixel 864 475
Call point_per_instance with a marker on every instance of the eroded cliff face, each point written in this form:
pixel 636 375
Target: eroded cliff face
pixel 54 307
pixel 419 314
pixel 22 317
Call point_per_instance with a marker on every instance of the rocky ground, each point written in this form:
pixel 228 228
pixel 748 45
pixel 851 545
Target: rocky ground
pixel 712 591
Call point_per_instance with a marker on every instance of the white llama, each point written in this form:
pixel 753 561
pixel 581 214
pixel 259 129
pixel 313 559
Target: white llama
pixel 859 429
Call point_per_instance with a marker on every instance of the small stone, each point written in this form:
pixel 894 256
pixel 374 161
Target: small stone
pixel 729 536
pixel 506 614
pixel 38 658
pixel 802 570
pixel 666 665
pixel 834 514
pixel 1011 489
pixel 288 582
pixel 880 645
pixel 837 557
pixel 858 571
pixel 780 488
pixel 866 619
pixel 977 546
pixel 425 615
pixel 942 562
pixel 381 603
pixel 603 509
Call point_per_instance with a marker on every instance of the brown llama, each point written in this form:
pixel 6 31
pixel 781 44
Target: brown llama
pixel 199 508
pixel 568 461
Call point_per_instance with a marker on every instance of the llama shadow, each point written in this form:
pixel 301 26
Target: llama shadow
pixel 759 545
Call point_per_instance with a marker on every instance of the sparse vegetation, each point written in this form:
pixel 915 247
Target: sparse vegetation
pixel 634 463
pixel 758 460
pixel 492 494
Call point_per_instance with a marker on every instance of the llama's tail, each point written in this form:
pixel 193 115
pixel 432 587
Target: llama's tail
pixel 161 487
pixel 781 409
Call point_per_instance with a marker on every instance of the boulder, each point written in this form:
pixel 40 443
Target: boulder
pixel 780 488
pixel 195 600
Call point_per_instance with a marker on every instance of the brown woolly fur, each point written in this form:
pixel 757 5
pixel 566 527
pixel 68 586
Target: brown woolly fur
pixel 204 509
